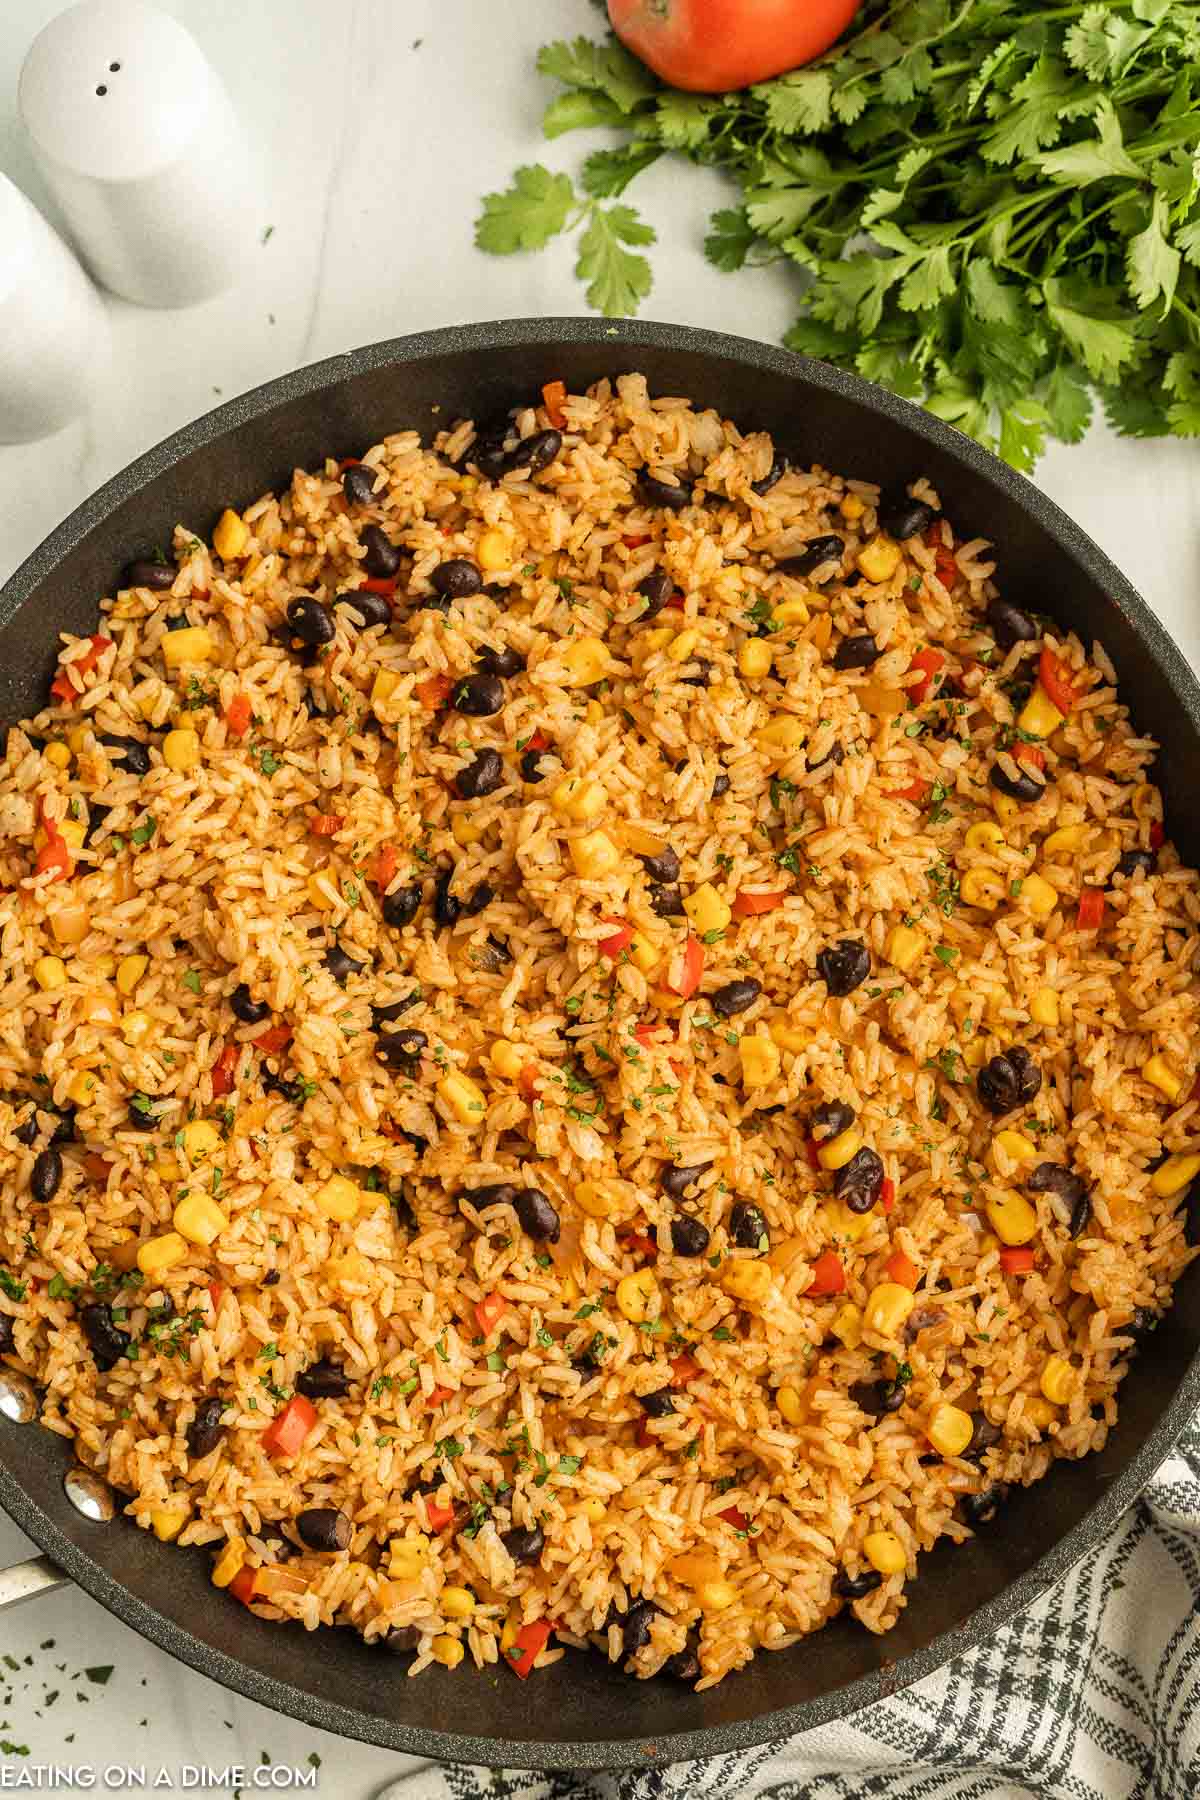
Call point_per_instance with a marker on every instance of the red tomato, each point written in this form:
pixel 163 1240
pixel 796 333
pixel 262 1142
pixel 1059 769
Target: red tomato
pixel 1029 753
pixel 645 1246
pixel 748 906
pixel 810 1146
pixel 917 791
pixel 634 543
pixel 527 1646
pixel 693 968
pixel 216 1290
pixel 641 1436
pixel 439 1516
pixel 62 687
pixel 274 1039
pixel 381 584
pixel 224 1071
pixel 488 1312
pixel 901 1269
pixel 554 395
pixel 527 1081
pixel 645 1032
pixel 620 939
pixel 238 715
pixel 684 1368
pixel 732 1515
pixel 712 46
pixel 1157 835
pixel 96 1167
pixel 539 741
pixel 1016 1259
pixel 434 691
pixel 54 855
pixel 928 662
pixel 326 824
pixel 887 1194
pixel 383 872
pixel 1053 678
pixel 244 1584
pixel 289 1428
pixel 1090 916
pixel 437 1395
pixel 829 1277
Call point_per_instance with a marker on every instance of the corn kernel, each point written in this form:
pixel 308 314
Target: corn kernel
pixel 841 1222
pixel 950 1429
pixel 1005 807
pixel 586 660
pixel 848 1325
pixel 783 732
pixel 493 551
pixel 638 1297
pixel 130 971
pixel 754 659
pixel 158 1254
pixel 384 686
pixel 837 1151
pixel 447 1650
pixel 790 1405
pixel 884 1551
pixel 77 739
pixel 642 842
pixel 1012 1218
pixel 82 1088
pixel 982 888
pixel 506 1059
pixel 984 835
pixel 888 1306
pixel 760 1061
pixel 70 924
pixel 72 832
pixel 105 966
pixel 1038 897
pixel 200 1139
pixel 193 644
pixel 1059 1381
pixel 465 831
pixel 199 1219
pixel 593 1510
pixel 694 1567
pixel 594 855
pixel 715 1596
pixel 789 1037
pixel 98 1009
pixel 905 947
pixel 643 954
pixel 651 642
pixel 1039 1412
pixel 464 1098
pixel 594 713
pixel 682 645
pixel 136 1027
pixel 748 1281
pixel 579 797
pixel 322 889
pixel 707 910
pixel 230 536
pixel 1015 1147
pixel 1066 840
pixel 181 750
pixel 879 559
pixel 1163 1077
pixel 1043 1007
pixel 407 1557
pixel 1174 1175
pixel 456 1602
pixel 229 1563
pixel 338 1198
pixel 58 755
pixel 851 507
pixel 1039 716
pixel 169 1520
pixel 791 612
pixel 596 1200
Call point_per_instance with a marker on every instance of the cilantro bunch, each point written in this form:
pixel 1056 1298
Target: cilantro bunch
pixel 993 206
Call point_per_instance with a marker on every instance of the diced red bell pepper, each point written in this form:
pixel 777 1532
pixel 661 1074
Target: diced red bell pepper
pixel 289 1428
pixel 437 1395
pixel 642 1436
pixel 379 584
pixel 439 1516
pixel 810 1148
pixel 684 1369
pixel 1016 1259
pixel 326 824
pixel 527 1082
pixel 634 543
pixel 383 870
pixel 538 741
pixel 1030 753
pixel 887 1194
pixel 61 687
pixel 224 1070
pixel 238 715
pixel 54 855
pixel 677 1067
pixel 918 791
pixel 674 604
pixel 1090 916
pixel 527 1646
pixel 693 968
pixel 274 1039
pixel 734 1516
pixel 829 1277
pixel 619 940
pixel 644 1032
pixel 554 395
pixel 244 1585
pixel 1053 678
pixel 1158 834
pixel 748 906
pixel 945 566
pixel 489 1311
pixel 434 691
pixel 901 1269
pixel 216 1291
pixel 928 662
pixel 96 1167
pixel 638 1240
pixel 348 462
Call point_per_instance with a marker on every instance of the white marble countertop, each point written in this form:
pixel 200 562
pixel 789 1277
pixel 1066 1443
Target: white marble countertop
pixel 381 122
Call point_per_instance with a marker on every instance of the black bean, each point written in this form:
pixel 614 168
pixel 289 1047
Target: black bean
pixel 836 755
pixel 8 1334
pixel 149 573
pixel 401 1049
pixel 358 484
pixel 857 652
pixel 96 816
pixel 178 622
pixel 684 1665
pixel 312 705
pixel 1010 1079
pixel 776 472
pixel 856 1587
pixel 64 1132
pixel 721 785
pixel 401 906
pixel 488 452
pixel 1010 625
pixel 877 1398
pixel 478 900
pixel 983 1435
pixel 272 1278
pixel 656 590
pixel 311 622
pixel 142 1115
pixel 748 1227
pixel 1070 1201
pixel 635 1626
pixel 658 1404
pixel 46 1178
pixel 1133 860
pixel 660 493
pixel 735 996
pixel 249 1011
pixel 446 906
pixel 678 1178
pixel 703 673
pixel 504 661
pixel 481 776
pixel 456 579
pixel 275 1084
pixel 537 1218
pixel 1016 781
pixel 663 866
pixel 688 1236
pixel 26 1132
pixel 206 1430
pixel 323 1380
pixel 479 696
pixel 492 1193
pixel 860 1181
pixel 844 966
pixel 500 951
pixel 372 608
pixel 1144 1321
pixel 817 551
pixel 830 1119
pixel 395 1009
pixel 106 1343
pixel 324 1528
pixel 400 1640
pixel 902 517
pixel 524 1545
pixel 129 751
pixel 981 1509
pixel 667 902
pixel 536 452
pixel 340 964
pixel 382 557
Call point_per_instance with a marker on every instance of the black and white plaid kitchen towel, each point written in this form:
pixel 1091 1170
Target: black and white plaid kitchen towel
pixel 1093 1694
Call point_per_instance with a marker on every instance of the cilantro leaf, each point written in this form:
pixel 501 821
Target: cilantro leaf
pixel 526 215
pixel 575 112
pixel 730 239
pixel 617 279
pixel 1153 262
pixel 607 173
pixel 604 68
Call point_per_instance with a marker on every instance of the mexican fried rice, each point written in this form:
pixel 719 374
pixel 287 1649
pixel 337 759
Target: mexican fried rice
pixel 597 1043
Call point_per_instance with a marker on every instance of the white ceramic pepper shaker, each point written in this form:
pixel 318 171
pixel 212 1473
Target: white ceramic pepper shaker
pixel 138 140
pixel 53 327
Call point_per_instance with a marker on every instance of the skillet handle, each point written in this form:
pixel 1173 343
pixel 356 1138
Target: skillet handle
pixel 25 1580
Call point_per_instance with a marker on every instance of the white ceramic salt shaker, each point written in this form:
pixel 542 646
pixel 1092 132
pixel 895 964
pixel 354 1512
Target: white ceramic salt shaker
pixel 138 140
pixel 54 332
